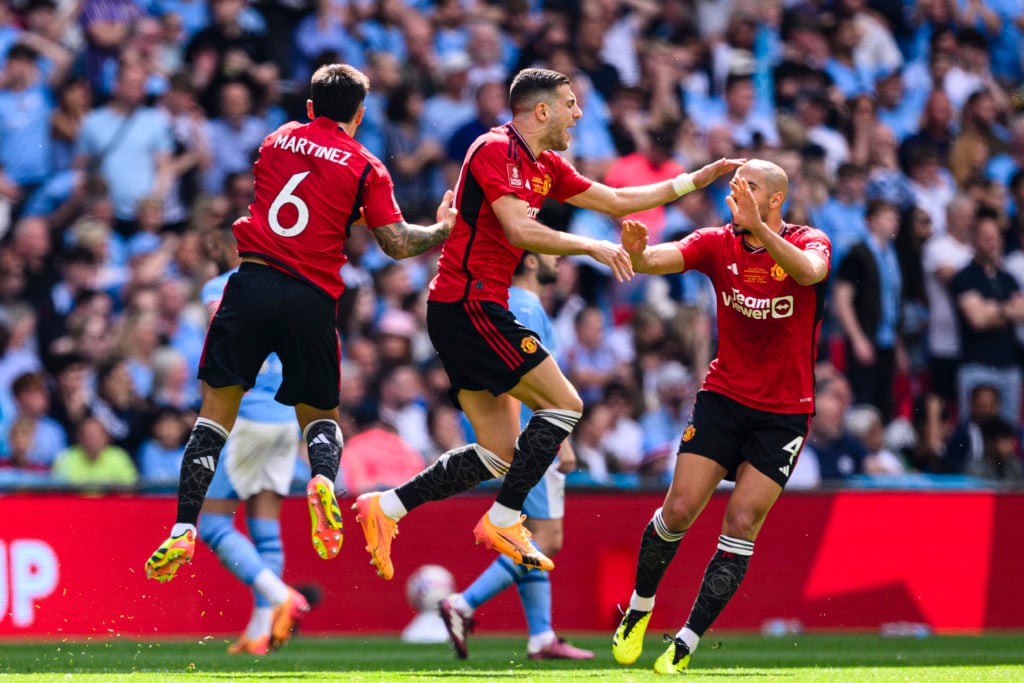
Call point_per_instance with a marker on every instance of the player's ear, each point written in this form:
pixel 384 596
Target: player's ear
pixel 358 118
pixel 541 110
pixel 309 110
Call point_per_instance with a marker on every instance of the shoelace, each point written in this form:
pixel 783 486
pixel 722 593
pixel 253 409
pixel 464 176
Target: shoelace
pixel 633 617
pixel 682 649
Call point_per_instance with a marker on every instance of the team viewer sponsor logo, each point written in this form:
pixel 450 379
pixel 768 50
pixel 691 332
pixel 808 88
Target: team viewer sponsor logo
pixel 758 308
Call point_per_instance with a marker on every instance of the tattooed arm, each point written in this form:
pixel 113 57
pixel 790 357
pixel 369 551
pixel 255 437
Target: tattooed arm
pixel 402 240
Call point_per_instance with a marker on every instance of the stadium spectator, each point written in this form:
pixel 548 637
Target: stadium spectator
pixel 988 303
pixel 107 26
pixel 867 304
pixel 450 106
pixel 92 461
pixel 415 158
pixel 304 280
pixel 32 405
pixel 128 144
pixel 1000 459
pixel 490 99
pixel 401 406
pixel 490 358
pixel 25 146
pixel 735 432
pixel 234 136
pixel 842 217
pixel 864 423
pixel 160 453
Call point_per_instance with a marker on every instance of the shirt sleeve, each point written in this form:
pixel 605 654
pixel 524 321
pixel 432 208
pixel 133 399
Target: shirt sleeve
pixel 379 202
pixel 567 180
pixel 818 242
pixel 696 248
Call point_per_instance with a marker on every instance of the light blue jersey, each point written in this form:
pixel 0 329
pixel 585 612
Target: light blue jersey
pixel 258 404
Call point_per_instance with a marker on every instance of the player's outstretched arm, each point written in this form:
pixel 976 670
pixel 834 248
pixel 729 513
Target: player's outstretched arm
pixel 526 233
pixel 619 201
pixel 402 240
pixel 657 260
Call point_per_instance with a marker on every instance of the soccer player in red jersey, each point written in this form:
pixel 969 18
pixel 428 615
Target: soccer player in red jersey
pixel 313 182
pixel 492 360
pixel 753 413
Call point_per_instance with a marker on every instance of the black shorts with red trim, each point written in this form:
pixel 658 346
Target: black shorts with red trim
pixel 265 310
pixel 730 433
pixel 482 345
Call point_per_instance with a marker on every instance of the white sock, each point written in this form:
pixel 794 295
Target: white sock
pixel 540 641
pixel 689 637
pixel 391 505
pixel 502 516
pixel 259 622
pixel 269 585
pixel 179 528
pixel 641 604
pixel 461 605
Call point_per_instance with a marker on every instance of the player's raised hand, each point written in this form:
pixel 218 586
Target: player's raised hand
pixel 613 256
pixel 447 212
pixel 711 172
pixel 634 237
pixel 742 204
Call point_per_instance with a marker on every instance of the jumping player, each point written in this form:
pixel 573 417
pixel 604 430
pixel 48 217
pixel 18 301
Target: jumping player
pixel 313 182
pixel 492 360
pixel 753 413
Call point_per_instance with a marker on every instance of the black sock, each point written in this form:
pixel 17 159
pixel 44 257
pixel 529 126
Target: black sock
pixel 536 449
pixel 323 439
pixel 657 548
pixel 721 579
pixel 197 467
pixel 458 470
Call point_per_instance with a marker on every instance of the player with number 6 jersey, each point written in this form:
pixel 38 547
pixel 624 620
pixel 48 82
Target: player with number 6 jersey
pixel 313 183
pixel 752 415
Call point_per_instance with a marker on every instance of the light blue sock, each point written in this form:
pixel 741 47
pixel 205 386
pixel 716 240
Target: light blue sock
pixel 266 536
pixel 498 576
pixel 235 550
pixel 535 593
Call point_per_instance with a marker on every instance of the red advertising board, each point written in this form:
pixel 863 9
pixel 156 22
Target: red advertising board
pixel 71 566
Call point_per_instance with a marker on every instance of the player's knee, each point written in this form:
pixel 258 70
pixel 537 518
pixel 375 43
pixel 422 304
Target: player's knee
pixel 678 514
pixel 741 523
pixel 214 528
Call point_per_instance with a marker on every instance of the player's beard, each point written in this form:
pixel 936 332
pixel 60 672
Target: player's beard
pixel 547 277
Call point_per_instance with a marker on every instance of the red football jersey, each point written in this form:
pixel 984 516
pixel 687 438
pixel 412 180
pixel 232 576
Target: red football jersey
pixel 477 259
pixel 311 181
pixel 767 324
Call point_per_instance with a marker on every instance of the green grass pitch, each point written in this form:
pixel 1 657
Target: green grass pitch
pixel 722 657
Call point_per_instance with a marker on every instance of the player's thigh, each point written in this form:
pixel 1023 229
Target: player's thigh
pixel 749 503
pixel 495 420
pixel 693 481
pixel 546 387
pixel 309 348
pixel 482 346
pixel 220 404
pixel 237 340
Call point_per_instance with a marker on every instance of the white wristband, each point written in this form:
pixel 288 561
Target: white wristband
pixel 682 184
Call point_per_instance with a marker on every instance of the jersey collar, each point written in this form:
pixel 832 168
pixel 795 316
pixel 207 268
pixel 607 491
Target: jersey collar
pixel 517 136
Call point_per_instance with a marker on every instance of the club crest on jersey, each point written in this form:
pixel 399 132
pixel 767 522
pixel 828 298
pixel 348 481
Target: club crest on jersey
pixel 542 185
pixel 690 431
pixel 528 345
pixel 778 274
pixel 515 179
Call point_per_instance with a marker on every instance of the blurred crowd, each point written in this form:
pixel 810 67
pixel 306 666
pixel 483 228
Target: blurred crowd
pixel 128 129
